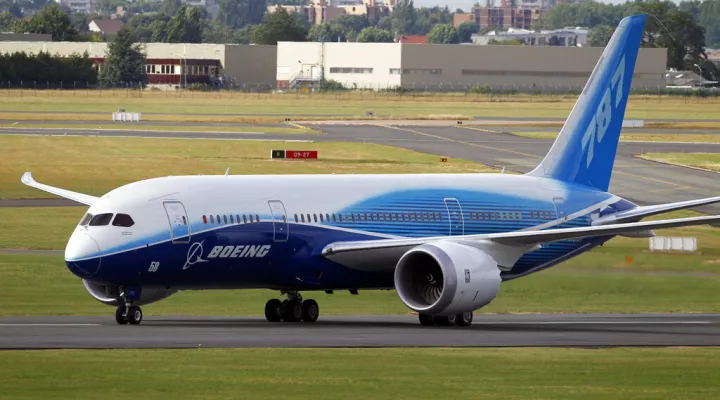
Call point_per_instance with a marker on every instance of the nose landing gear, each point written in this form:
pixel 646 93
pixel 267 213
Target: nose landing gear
pixel 128 314
pixel 294 309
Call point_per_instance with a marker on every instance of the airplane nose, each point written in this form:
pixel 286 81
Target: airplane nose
pixel 81 255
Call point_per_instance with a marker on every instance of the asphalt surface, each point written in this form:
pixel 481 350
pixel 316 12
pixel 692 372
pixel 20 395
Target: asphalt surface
pixel 641 181
pixel 362 331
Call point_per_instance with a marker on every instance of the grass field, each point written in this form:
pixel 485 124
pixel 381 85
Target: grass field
pixel 170 128
pixel 95 165
pixel 356 104
pixel 708 161
pixel 670 373
pixel 647 137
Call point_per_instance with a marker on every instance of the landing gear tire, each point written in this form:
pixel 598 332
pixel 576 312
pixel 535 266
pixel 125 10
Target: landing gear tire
pixel 310 310
pixel 446 321
pixel 426 320
pixel 465 319
pixel 273 310
pixel 120 316
pixel 292 311
pixel 134 315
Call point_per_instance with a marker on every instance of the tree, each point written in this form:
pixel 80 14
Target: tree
pixel 686 43
pixel 708 19
pixel 125 60
pixel 279 26
pixel 51 20
pixel 465 31
pixel 7 21
pixel 375 35
pixel 443 34
pixel 403 17
pixel 327 32
pixel 599 36
pixel 171 7
pixel 238 13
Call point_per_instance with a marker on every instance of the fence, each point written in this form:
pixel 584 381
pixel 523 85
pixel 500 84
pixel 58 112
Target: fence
pixel 441 92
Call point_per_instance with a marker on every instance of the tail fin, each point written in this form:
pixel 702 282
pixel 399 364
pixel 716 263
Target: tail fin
pixel 584 151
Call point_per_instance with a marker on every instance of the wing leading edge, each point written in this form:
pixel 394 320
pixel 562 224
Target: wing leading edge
pixel 524 238
pixel 28 179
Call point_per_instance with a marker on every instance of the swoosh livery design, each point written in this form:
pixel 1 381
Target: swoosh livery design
pixel 444 242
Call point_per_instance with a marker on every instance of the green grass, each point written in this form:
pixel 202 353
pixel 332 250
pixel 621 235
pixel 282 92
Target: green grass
pixel 356 104
pixel 649 137
pixel 170 128
pixel 669 373
pixel 96 165
pixel 562 289
pixel 709 161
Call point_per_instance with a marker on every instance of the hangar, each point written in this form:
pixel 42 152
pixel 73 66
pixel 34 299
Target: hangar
pixel 451 67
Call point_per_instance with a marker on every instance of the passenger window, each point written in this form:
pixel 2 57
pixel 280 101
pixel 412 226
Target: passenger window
pixel 84 221
pixel 100 220
pixel 250 218
pixel 205 219
pixel 308 218
pixel 124 220
pixel 315 217
pixel 225 218
pixel 334 220
pixel 321 218
pixel 327 217
pixel 296 218
pixel 232 220
pixel 212 219
pixel 302 217
pixel 218 219
pixel 257 218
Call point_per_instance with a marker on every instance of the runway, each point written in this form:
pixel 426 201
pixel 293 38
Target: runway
pixel 362 331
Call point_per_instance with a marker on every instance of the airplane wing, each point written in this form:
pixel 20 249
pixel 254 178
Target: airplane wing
pixel 27 179
pixel 523 238
pixel 638 213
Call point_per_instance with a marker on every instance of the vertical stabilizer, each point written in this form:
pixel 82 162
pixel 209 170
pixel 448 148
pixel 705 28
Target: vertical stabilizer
pixel 584 151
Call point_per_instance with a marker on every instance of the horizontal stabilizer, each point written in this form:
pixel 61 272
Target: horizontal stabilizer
pixel 27 179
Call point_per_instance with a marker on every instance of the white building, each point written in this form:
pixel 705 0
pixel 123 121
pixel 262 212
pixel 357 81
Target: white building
pixel 450 67
pixel 85 6
pixel 570 36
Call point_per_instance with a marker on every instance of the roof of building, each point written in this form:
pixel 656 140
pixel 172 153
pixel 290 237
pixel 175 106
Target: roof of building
pixel 413 39
pixel 108 25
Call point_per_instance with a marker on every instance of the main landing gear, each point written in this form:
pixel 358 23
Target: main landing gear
pixel 464 319
pixel 128 314
pixel 294 309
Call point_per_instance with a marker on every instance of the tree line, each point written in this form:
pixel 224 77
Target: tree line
pixel 45 68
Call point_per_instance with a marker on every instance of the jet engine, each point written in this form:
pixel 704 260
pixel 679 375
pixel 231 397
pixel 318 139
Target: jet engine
pixel 110 295
pixel 446 278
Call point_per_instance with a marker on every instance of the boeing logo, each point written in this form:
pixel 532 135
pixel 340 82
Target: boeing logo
pixel 242 251
pixel 194 255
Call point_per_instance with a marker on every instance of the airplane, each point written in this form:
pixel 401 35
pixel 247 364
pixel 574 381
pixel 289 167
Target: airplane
pixel 443 242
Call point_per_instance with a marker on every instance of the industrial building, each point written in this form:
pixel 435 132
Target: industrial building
pixel 321 11
pixel 172 64
pixel 450 66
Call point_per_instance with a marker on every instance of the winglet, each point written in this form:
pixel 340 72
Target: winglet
pixel 28 179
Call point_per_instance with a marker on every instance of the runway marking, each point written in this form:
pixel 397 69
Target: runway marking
pixel 597 323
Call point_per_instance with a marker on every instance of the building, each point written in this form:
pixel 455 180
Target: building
pixel 173 64
pixel 411 39
pixel 105 26
pixel 500 18
pixel 321 11
pixel 559 37
pixel 84 6
pixel 450 66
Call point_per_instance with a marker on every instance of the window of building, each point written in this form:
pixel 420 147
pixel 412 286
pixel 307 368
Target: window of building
pixel 348 70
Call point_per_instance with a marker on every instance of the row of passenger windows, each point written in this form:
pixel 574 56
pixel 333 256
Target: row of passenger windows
pixel 415 216
pixel 122 220
pixel 231 219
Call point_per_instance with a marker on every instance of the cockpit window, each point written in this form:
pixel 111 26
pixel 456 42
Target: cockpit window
pixel 101 219
pixel 84 221
pixel 123 220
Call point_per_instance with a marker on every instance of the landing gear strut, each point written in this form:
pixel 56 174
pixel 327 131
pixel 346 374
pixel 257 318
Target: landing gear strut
pixel 294 309
pixel 464 319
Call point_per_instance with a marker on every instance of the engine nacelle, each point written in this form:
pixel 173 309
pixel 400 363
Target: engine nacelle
pixel 110 295
pixel 446 278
